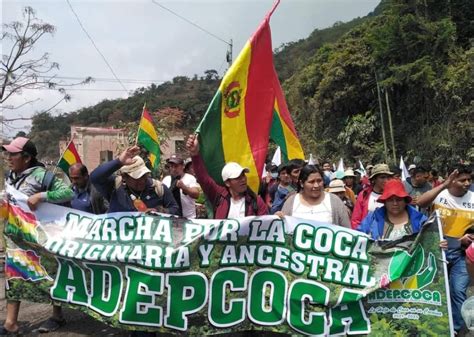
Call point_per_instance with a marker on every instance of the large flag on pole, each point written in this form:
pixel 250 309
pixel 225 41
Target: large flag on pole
pixel 236 126
pixel 148 138
pixel 69 158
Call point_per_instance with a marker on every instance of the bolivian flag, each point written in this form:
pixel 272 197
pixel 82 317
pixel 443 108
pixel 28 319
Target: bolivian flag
pixel 148 138
pixel 69 158
pixel 236 126
pixel 283 131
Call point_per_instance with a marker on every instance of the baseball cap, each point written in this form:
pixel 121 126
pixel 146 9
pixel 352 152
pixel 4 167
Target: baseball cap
pixel 233 170
pixel 411 167
pixel 21 144
pixel 176 159
pixel 137 169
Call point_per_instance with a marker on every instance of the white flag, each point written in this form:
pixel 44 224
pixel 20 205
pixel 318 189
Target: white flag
pixel 277 157
pixel 404 170
pixel 275 160
pixel 340 166
pixel 362 169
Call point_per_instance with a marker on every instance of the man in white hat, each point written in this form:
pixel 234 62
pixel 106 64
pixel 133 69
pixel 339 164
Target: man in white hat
pixel 349 180
pixel 338 188
pixel 133 189
pixel 235 199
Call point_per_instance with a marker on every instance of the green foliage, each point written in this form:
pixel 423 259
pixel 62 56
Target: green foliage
pixel 413 48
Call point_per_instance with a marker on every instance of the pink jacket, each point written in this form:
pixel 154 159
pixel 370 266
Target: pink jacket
pixel 361 207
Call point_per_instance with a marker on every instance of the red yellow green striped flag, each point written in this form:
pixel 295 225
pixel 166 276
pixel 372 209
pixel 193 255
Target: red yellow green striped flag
pixel 69 158
pixel 236 126
pixel 148 138
pixel 283 131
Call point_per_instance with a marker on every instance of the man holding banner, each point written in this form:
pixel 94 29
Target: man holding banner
pixel 29 176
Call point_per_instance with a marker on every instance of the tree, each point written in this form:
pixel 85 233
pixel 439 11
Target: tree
pixel 19 70
pixel 211 74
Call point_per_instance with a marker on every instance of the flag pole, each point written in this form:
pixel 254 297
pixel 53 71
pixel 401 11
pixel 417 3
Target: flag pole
pixel 275 5
pixel 143 110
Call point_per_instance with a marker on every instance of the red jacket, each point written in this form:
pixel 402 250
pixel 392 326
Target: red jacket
pixel 219 196
pixel 361 207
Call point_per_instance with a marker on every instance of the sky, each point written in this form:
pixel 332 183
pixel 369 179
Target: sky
pixel 144 43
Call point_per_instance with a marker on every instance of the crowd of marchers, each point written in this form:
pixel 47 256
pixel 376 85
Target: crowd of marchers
pixel 375 200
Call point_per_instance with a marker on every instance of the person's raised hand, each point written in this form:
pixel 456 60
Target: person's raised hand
pixel 451 178
pixel 126 157
pixel 192 145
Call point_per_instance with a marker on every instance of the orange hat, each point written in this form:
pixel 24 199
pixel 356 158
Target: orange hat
pixel 394 187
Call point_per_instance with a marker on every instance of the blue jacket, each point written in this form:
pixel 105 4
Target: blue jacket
pixel 119 199
pixel 374 222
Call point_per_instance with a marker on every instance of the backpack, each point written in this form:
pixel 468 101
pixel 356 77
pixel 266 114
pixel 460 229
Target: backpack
pixel 47 181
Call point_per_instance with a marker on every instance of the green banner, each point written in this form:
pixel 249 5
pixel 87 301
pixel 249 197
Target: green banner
pixel 195 277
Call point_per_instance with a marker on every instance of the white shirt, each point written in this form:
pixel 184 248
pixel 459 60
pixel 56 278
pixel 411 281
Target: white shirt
pixel 237 208
pixel 321 212
pixel 187 203
pixel 373 204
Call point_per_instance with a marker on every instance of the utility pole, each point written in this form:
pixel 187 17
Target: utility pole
pixel 381 119
pixel 392 138
pixel 229 54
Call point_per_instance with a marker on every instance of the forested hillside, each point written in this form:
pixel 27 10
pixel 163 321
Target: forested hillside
pixel 419 52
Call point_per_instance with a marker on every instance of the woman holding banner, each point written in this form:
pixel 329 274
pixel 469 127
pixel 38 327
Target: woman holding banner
pixel 396 218
pixel 312 202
